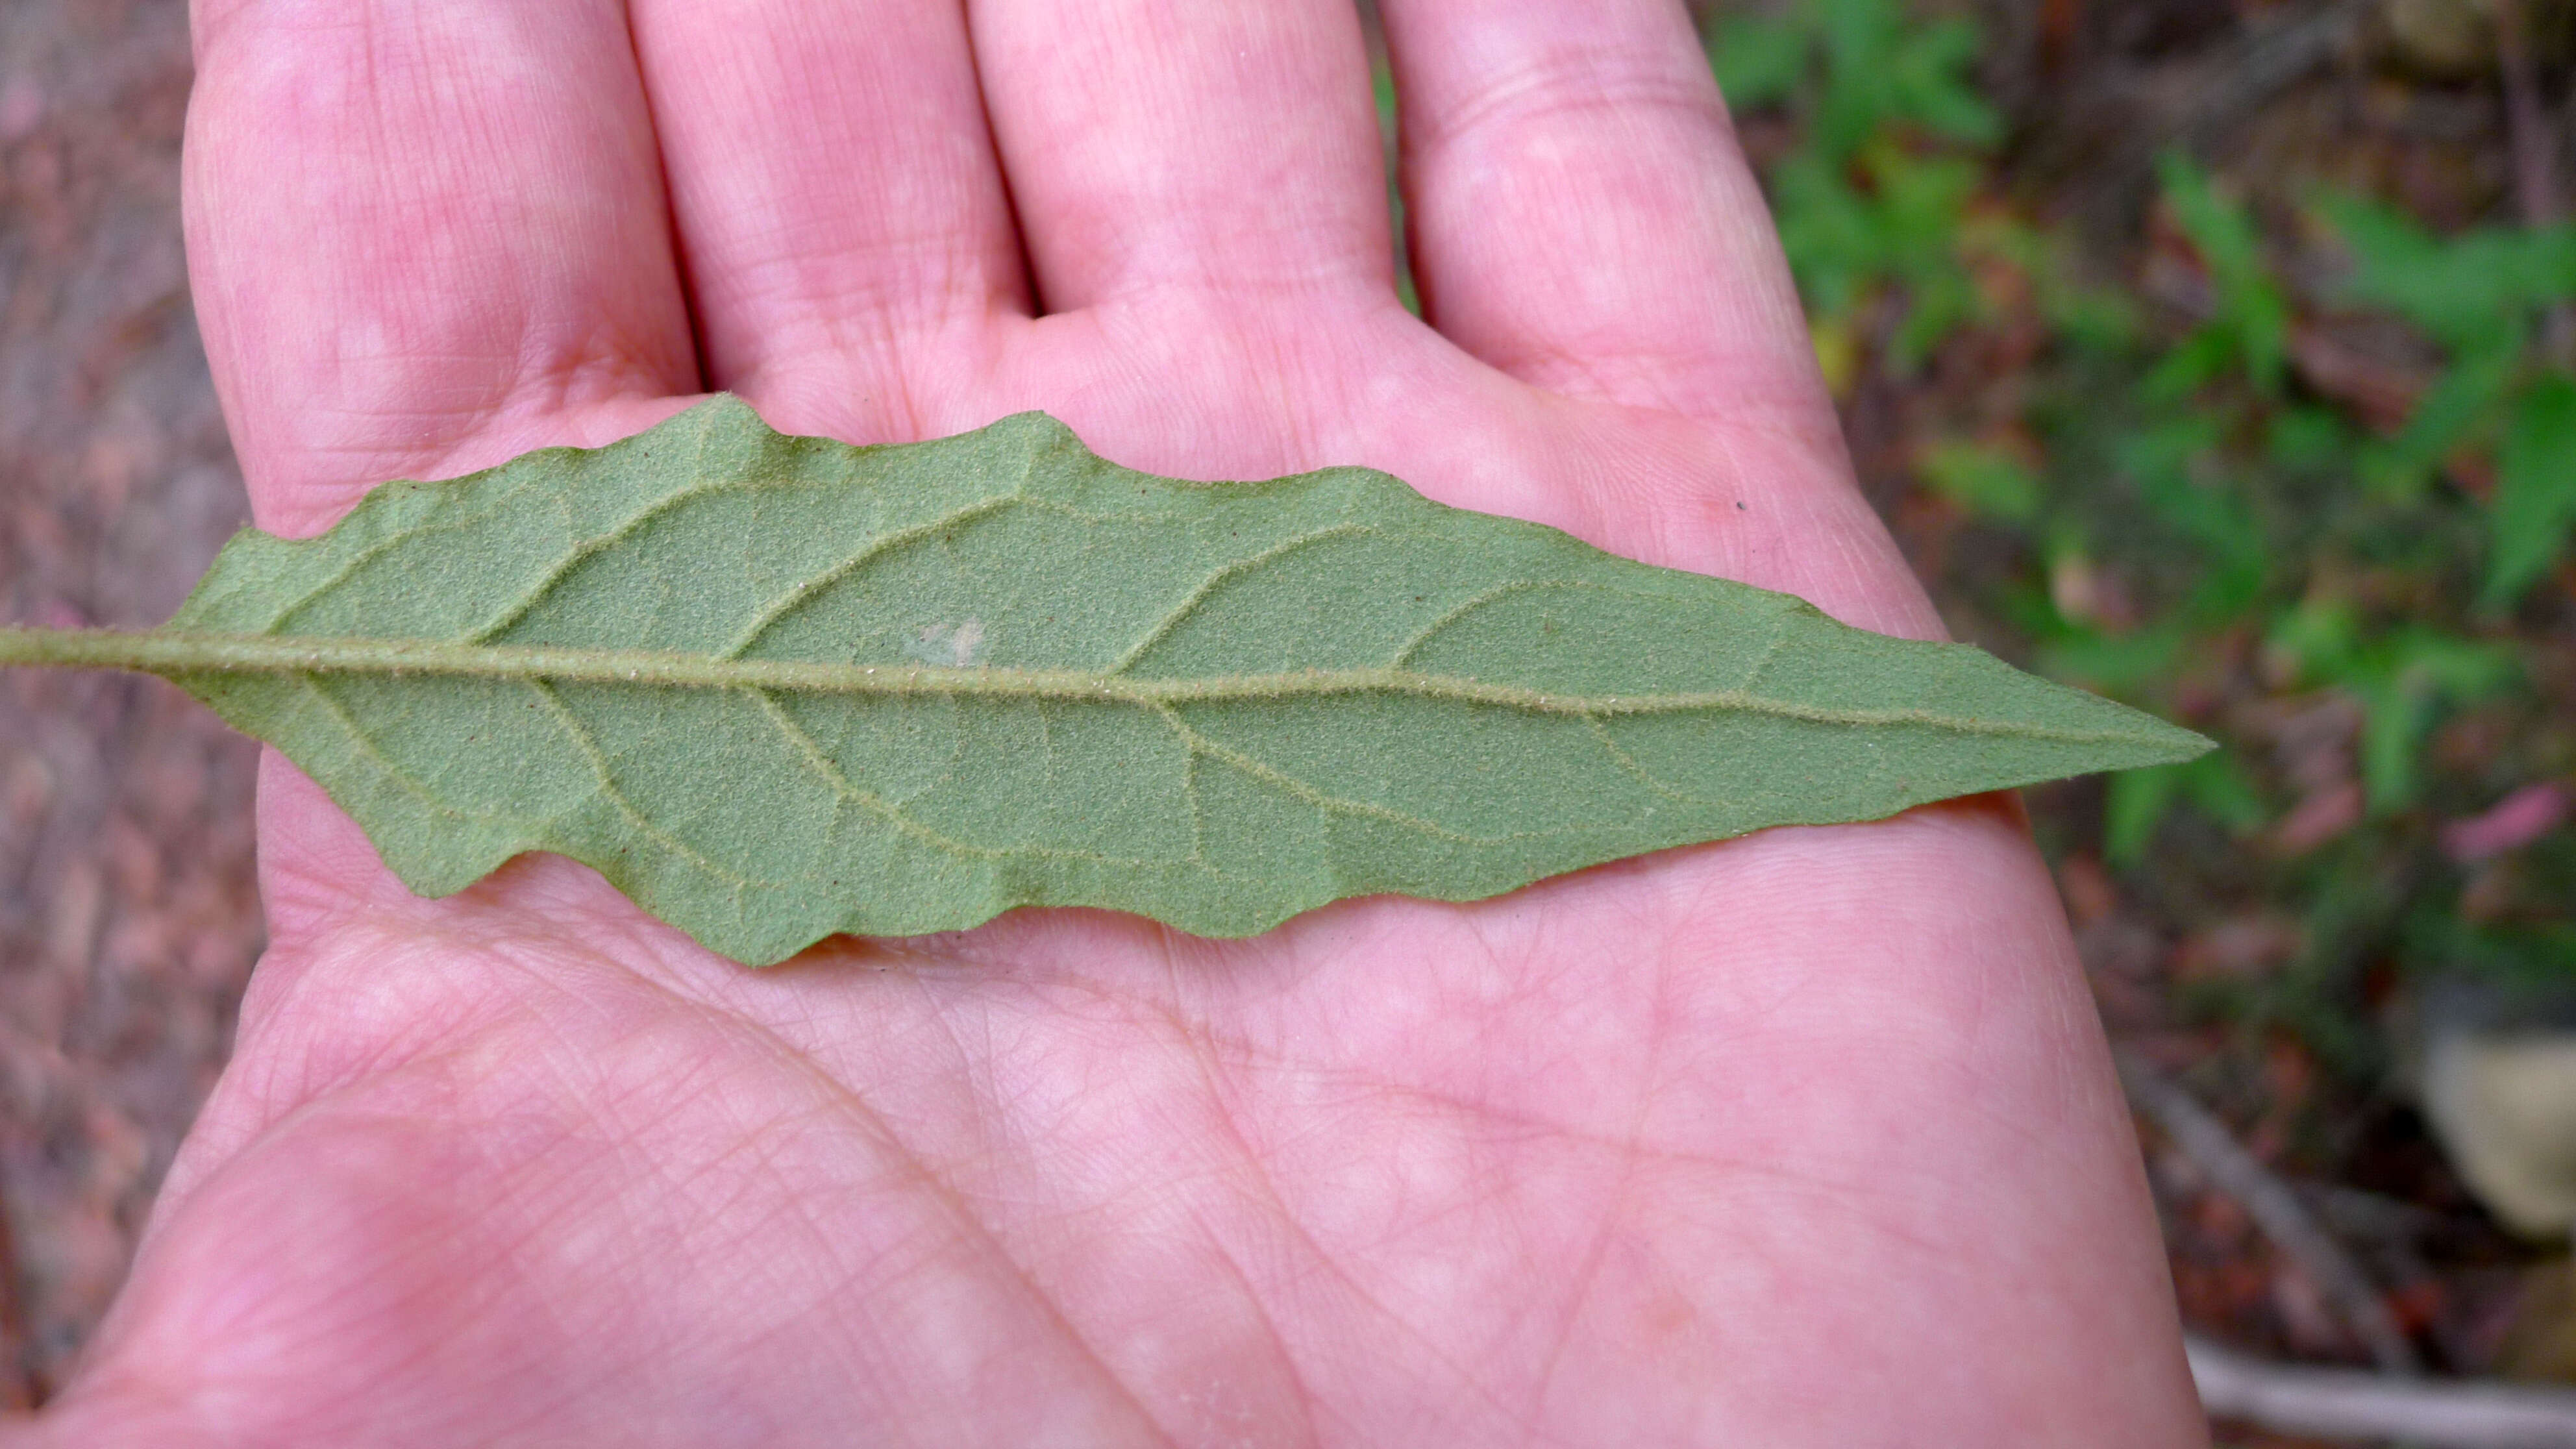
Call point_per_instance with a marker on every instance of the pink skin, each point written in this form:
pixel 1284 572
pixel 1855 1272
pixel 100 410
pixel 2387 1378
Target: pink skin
pixel 1807 1138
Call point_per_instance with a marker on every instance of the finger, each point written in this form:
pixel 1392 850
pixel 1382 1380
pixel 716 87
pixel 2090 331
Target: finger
pixel 837 198
pixel 423 237
pixel 1581 215
pixel 1159 143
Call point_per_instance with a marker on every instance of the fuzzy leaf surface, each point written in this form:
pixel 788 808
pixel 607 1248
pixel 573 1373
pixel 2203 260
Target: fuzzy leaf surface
pixel 778 687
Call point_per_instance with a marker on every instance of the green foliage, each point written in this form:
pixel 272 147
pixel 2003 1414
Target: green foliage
pixel 1983 480
pixel 1857 69
pixel 2403 677
pixel 2480 296
pixel 2481 291
pixel 2189 514
pixel 1762 60
pixel 1382 80
pixel 2535 505
pixel 774 688
pixel 2247 329
pixel 1874 197
pixel 2514 955
pixel 2136 801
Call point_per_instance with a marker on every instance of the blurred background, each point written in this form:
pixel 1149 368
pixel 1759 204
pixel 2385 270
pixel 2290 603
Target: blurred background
pixel 2218 355
pixel 128 918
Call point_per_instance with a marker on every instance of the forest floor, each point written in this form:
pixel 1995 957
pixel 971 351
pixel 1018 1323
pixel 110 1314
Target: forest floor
pixel 128 914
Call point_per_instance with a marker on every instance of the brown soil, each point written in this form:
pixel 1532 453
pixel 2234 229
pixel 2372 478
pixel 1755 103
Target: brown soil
pixel 128 917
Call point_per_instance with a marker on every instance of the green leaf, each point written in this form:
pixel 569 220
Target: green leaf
pixel 2133 807
pixel 2404 683
pixel 2318 637
pixel 2139 800
pixel 776 687
pixel 2126 663
pixel 1983 479
pixel 1759 61
pixel 1933 85
pixel 2465 291
pixel 2458 405
pixel 2308 439
pixel 2535 503
pixel 1883 70
pixel 2252 321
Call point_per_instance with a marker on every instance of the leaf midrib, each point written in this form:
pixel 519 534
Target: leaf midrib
pixel 188 651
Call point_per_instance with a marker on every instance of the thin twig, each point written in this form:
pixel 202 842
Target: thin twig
pixel 2259 64
pixel 2354 1213
pixel 2534 151
pixel 2358 1404
pixel 2276 1209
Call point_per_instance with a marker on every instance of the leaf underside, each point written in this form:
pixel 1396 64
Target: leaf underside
pixel 777 687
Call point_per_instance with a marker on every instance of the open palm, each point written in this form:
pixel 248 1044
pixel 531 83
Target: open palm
pixel 1807 1138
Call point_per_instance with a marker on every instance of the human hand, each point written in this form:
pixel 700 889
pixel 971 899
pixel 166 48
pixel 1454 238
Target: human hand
pixel 1808 1137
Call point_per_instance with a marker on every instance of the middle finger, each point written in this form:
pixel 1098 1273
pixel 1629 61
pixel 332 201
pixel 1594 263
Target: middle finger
pixel 839 207
pixel 1204 144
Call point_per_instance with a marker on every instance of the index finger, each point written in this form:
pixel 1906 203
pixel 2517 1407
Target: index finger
pixel 423 238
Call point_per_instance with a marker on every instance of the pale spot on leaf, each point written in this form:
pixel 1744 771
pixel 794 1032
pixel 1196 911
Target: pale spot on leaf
pixel 951 646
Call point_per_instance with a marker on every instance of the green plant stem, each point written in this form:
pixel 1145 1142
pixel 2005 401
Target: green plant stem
pixel 174 651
